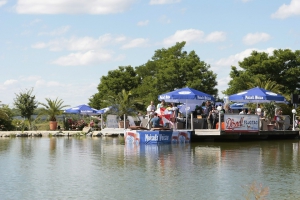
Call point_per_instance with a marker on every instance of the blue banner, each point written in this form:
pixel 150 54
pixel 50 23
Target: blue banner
pixel 156 137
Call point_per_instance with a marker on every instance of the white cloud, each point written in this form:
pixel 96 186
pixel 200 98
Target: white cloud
pixel 86 58
pixel 155 2
pixel 2 2
pixel 253 38
pixel 59 31
pixel 10 82
pixel 53 84
pixel 193 35
pixel 217 36
pixel 164 20
pixel 286 11
pixel 120 39
pixel 88 50
pixel 72 6
pixel 143 23
pixel 222 84
pixel 223 66
pixel 190 35
pixel 120 57
pixel 79 44
pixel 138 42
pixel 234 59
pixel 40 83
pixel 246 1
pixel 30 78
pixel 40 45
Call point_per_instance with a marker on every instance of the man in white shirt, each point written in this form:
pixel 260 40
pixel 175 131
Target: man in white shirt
pixel 151 108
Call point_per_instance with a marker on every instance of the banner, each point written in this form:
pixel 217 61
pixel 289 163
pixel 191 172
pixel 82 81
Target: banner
pixel 241 123
pixel 156 137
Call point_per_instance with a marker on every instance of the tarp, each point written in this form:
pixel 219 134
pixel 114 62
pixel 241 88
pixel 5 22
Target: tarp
pixel 257 95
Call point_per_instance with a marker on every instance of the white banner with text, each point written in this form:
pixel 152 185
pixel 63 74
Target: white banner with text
pixel 241 123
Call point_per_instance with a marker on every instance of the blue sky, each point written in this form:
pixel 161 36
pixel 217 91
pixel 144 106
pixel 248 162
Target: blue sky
pixel 61 48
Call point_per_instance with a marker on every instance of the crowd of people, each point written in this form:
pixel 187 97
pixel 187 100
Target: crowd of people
pixel 210 114
pixel 207 113
pixel 169 109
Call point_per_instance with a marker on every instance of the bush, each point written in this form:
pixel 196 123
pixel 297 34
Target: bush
pixel 75 124
pixel 6 118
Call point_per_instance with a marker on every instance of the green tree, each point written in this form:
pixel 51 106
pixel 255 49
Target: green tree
pixel 26 103
pixel 174 68
pixel 268 85
pixel 52 108
pixel 123 103
pixel 6 118
pixel 112 84
pixel 282 67
pixel 168 69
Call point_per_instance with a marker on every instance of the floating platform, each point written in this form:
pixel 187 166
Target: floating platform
pixel 157 136
pixel 213 134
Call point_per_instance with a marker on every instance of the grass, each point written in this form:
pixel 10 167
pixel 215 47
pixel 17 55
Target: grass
pixel 41 125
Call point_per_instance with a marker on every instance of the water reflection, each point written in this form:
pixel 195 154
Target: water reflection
pixel 108 168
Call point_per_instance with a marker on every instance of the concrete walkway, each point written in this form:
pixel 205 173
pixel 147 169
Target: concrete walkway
pixel 46 133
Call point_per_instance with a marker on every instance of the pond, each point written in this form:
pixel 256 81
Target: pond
pixel 106 168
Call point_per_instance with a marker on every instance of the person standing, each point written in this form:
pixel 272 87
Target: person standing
pixel 151 109
pixel 161 104
pixel 92 124
pixel 208 114
pixel 214 116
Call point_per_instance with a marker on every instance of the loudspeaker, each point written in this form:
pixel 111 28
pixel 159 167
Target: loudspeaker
pixel 294 98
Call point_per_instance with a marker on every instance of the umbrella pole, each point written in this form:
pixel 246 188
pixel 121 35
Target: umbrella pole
pixel 101 121
pixel 124 121
pixel 186 117
pixel 192 122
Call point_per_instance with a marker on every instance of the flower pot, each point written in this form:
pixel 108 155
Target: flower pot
pixel 270 127
pixel 121 124
pixel 53 125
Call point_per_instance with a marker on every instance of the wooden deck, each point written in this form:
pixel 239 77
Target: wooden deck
pixel 214 134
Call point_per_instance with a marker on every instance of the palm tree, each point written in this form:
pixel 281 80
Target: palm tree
pixel 123 103
pixel 52 108
pixel 270 109
pixel 267 85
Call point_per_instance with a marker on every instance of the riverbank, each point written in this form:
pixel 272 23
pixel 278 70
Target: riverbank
pixel 47 133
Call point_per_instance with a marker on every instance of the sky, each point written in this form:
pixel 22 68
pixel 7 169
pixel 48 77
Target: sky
pixel 61 48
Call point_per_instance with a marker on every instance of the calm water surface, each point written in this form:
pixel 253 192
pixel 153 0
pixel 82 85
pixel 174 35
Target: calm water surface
pixel 105 168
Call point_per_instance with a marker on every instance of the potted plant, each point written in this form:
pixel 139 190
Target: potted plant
pixel 123 104
pixel 52 108
pixel 269 109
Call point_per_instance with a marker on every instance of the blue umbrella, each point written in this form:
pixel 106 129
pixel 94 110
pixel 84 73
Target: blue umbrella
pixel 257 95
pixel 82 109
pixel 186 95
pixel 104 110
pixel 238 106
